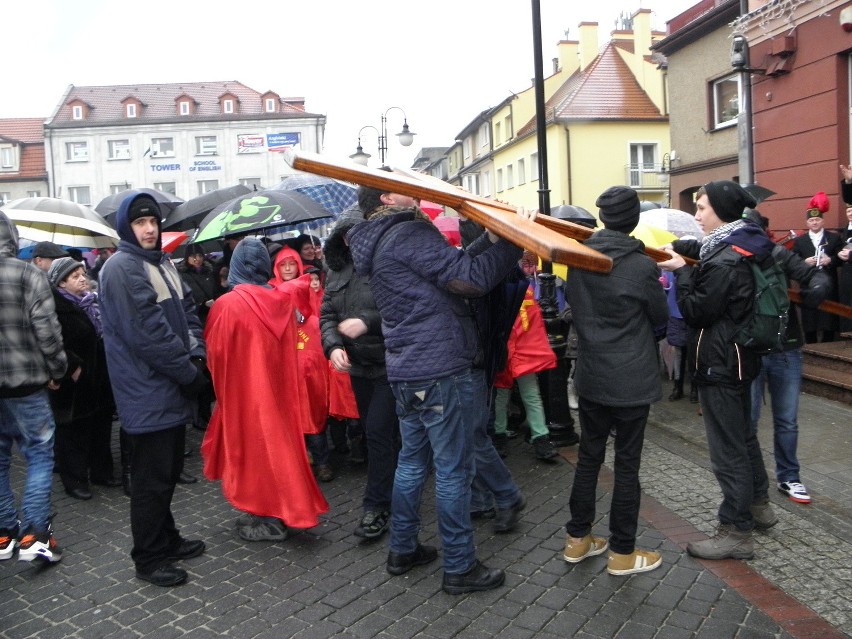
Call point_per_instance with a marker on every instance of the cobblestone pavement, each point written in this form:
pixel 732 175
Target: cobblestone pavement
pixel 325 583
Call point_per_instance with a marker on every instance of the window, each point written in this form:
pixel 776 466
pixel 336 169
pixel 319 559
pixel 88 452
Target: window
pixel 166 187
pixel 643 162
pixel 510 177
pixel 119 149
pixel 118 188
pixel 76 151
pixel 162 147
pixel 205 145
pixel 533 166
pixel 252 183
pixel 131 110
pixel 228 106
pixel 467 145
pixel 205 186
pixel 77 112
pixel 726 101
pixel 7 157
pixel 498 138
pixel 184 108
pixel 269 105
pixel 522 171
pixel 33 193
pixel 507 127
pixel 80 195
pixel 5 197
pixel 471 183
pixel 499 180
pixel 485 187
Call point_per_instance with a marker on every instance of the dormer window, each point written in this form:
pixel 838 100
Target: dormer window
pixel 131 110
pixel 269 105
pixel 228 106
pixel 77 112
pixel 184 108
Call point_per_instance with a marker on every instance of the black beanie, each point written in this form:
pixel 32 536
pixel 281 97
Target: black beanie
pixel 728 199
pixel 143 206
pixel 619 208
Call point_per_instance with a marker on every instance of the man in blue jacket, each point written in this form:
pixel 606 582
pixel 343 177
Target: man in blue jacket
pixel 156 353
pixel 421 285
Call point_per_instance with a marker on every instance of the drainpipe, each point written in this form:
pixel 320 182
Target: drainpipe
pixel 744 124
pixel 51 177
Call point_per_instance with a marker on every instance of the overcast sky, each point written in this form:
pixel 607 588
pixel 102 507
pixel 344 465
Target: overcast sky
pixel 441 61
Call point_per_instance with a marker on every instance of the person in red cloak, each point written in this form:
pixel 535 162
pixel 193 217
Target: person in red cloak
pixel 253 444
pixel 287 275
pixel 529 353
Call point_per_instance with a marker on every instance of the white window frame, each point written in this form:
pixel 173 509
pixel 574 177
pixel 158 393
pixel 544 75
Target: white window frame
pixel 7 157
pixel 269 105
pixel 157 150
pixel 534 166
pixel 251 182
pixel 485 184
pixel 80 195
pixel 499 180
pixel 183 107
pixel 76 151
pixel 522 171
pixel 206 145
pixel 131 110
pixel 205 186
pixel 644 161
pixel 166 187
pixel 77 112
pixel 510 176
pixel 726 109
pixel 5 197
pixel 118 188
pixel 118 149
pixel 33 193
pixel 227 106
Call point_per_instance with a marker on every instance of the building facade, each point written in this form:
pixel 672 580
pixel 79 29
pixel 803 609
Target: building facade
pixel 186 139
pixel 22 168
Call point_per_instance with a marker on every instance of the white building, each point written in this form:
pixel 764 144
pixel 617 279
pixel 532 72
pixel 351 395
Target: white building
pixel 185 139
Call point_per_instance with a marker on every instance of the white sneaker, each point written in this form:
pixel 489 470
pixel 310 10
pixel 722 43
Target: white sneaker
pixel 795 491
pixel 572 395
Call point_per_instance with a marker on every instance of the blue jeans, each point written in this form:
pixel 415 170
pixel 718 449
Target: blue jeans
pixel 783 374
pixel 435 418
pixel 28 421
pixel 492 483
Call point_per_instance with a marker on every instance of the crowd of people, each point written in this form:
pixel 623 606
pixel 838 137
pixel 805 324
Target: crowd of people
pixel 388 341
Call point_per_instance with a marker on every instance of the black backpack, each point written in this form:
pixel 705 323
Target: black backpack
pixel 765 330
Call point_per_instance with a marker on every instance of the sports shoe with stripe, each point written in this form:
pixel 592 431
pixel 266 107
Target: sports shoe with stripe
pixel 795 491
pixel 39 545
pixel 635 562
pixel 578 548
pixel 8 541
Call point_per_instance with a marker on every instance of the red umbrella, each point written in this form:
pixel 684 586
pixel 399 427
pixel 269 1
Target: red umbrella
pixel 431 209
pixel 449 226
pixel 173 239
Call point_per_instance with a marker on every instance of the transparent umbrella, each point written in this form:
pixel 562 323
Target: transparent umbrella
pixel 679 223
pixel 63 222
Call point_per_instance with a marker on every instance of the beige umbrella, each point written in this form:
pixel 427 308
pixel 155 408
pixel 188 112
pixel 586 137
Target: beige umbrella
pixel 62 222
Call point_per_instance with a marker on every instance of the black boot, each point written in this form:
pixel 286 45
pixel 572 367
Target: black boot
pixel 677 390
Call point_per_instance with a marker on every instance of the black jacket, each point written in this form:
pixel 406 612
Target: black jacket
pixel 815 287
pixel 91 392
pixel 716 297
pixel 347 295
pixel 203 285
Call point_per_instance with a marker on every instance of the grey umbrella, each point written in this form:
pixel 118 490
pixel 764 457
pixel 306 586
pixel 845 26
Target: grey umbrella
pixel 108 206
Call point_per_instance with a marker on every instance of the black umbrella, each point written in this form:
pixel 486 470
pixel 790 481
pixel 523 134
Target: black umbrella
pixel 259 211
pixel 108 206
pixel 575 214
pixel 759 193
pixel 189 214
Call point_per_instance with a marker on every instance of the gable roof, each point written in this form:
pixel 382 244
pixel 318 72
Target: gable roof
pixel 23 130
pixel 606 90
pixel 159 103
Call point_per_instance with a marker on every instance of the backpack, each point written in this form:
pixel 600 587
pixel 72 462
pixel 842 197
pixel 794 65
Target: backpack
pixel 766 329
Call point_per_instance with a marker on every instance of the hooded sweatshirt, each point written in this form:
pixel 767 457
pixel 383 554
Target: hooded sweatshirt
pixel 151 330
pixel 32 353
pixel 286 253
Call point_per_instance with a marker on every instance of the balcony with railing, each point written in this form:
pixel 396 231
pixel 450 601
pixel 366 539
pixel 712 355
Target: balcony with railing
pixel 647 177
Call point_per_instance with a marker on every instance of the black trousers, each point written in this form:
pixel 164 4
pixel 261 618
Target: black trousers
pixel 377 408
pixel 84 447
pixel 596 422
pixel 156 464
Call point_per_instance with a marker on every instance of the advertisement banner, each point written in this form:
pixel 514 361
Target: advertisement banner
pixel 250 143
pixel 282 141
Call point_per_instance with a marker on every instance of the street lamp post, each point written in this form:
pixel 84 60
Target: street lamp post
pixel 406 138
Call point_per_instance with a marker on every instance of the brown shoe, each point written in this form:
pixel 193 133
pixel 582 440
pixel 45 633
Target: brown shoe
pixel 325 472
pixel 637 561
pixel 578 548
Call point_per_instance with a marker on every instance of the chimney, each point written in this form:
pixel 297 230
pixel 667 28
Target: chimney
pixel 567 60
pixel 642 33
pixel 588 43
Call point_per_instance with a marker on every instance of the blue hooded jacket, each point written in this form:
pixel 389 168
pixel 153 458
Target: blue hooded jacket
pixel 420 283
pixel 151 330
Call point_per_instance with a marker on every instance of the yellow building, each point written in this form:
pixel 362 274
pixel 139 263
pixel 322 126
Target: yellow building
pixel 606 118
